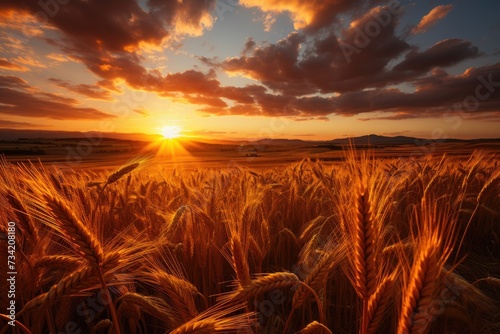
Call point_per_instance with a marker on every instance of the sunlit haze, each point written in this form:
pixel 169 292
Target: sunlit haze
pixel 171 131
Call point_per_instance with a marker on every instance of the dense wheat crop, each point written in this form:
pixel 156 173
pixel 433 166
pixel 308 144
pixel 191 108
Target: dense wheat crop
pixel 362 246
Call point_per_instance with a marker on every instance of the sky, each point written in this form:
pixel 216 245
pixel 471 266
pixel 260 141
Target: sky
pixel 228 69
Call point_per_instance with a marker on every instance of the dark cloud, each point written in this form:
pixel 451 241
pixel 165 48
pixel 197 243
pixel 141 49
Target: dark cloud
pixel 107 35
pixel 19 99
pixel 13 82
pixel 329 63
pixel 475 91
pixel 91 91
pixel 442 54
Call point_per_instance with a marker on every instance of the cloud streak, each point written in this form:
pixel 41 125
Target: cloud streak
pixel 19 99
pixel 91 91
pixel 436 14
pixel 8 65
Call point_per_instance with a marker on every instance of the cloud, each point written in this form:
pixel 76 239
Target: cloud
pixel 6 64
pixel 92 91
pixel 110 37
pixel 326 67
pixel 442 54
pixel 61 58
pixel 18 125
pixel 311 15
pixel 19 99
pixel 436 14
pixel 13 82
pixel 142 111
pixel 29 61
pixel 475 91
pixel 300 65
pixel 20 21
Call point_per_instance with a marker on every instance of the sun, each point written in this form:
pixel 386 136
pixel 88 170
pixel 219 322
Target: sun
pixel 171 131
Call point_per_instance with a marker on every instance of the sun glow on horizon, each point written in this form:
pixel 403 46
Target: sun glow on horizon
pixel 171 131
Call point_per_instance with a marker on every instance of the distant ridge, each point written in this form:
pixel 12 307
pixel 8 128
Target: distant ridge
pixel 372 139
pixel 14 134
pixel 378 140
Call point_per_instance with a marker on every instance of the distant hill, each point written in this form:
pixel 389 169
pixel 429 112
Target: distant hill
pixel 14 134
pixel 372 139
pixel 378 140
pixel 270 141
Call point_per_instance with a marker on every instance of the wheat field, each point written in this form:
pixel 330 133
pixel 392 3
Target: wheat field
pixel 361 246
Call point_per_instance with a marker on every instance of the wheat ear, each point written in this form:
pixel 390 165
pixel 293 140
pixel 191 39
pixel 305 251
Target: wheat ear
pixel 23 217
pixel 152 305
pixel 378 303
pixel 74 230
pixel 364 262
pixel 58 261
pixel 316 278
pixel 264 284
pixel 120 172
pixel 240 261
pixel 315 328
pixel 417 296
pixel 103 324
pixel 204 326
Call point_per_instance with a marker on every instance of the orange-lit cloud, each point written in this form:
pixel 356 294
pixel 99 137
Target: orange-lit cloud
pixel 58 57
pixel 92 91
pixel 436 14
pixel 23 22
pixel 6 64
pixel 18 99
pixel 306 14
pixel 29 61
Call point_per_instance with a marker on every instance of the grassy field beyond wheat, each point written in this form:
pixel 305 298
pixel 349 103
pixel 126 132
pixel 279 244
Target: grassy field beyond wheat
pixel 361 246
